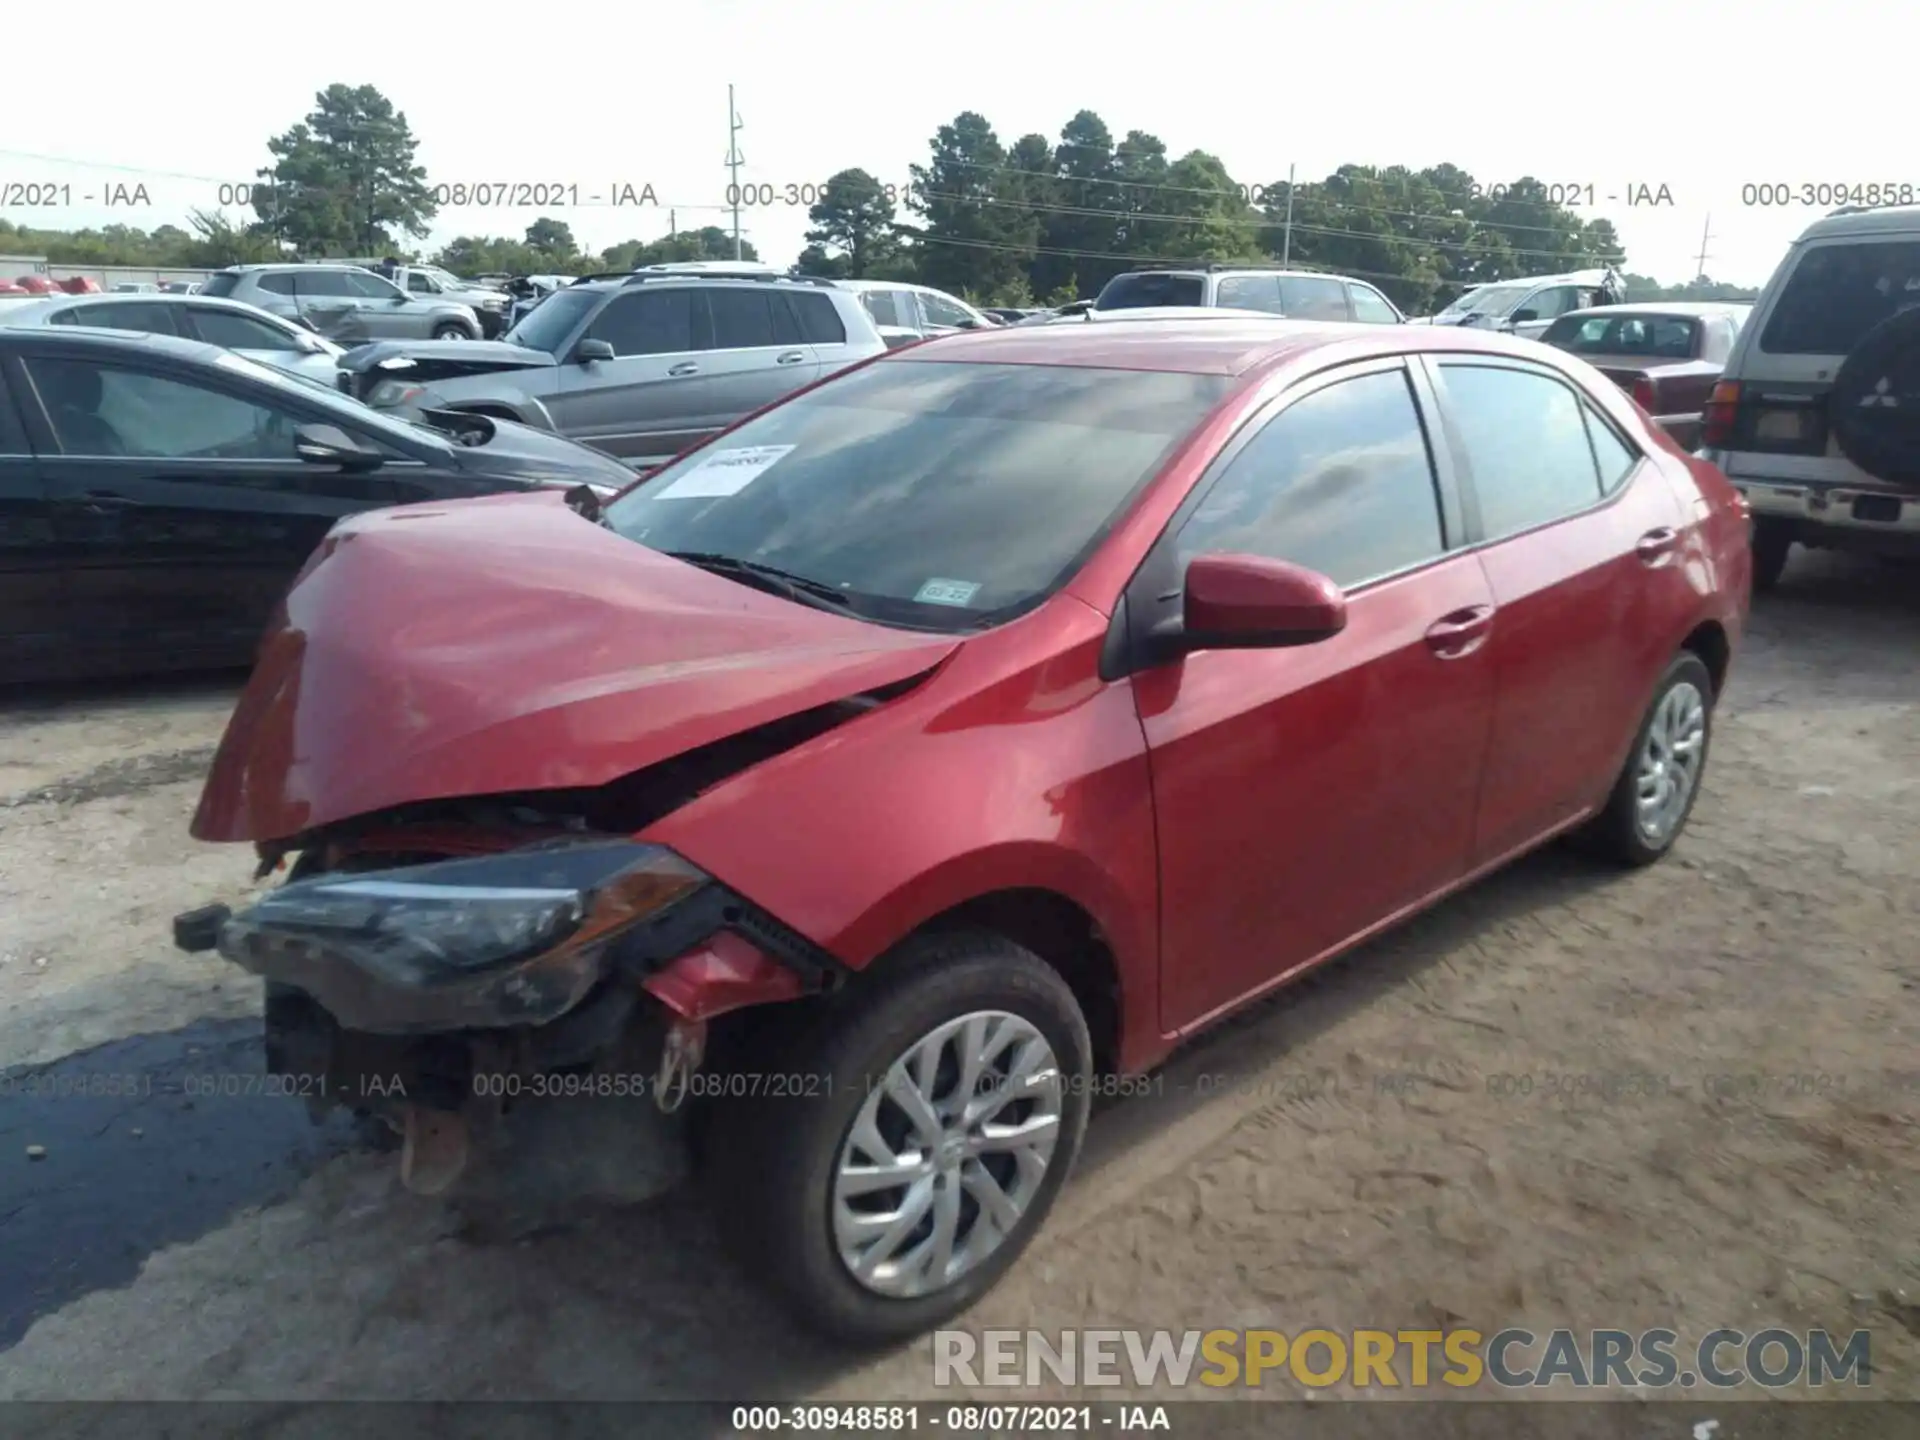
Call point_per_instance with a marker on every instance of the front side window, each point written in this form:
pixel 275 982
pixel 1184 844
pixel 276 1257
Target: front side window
pixel 944 496
pixel 420 284
pixel 551 323
pixel 1340 482
pixel 322 284
pixel 1526 440
pixel 231 330
pixel 658 323
pixel 111 410
pixel 1549 304
pixel 371 287
pixel 942 311
pixel 1370 307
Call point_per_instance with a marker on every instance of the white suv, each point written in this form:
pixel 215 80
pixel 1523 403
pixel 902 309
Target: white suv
pixel 1817 416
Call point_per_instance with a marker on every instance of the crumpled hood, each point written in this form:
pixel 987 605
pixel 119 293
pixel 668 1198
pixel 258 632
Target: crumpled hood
pixel 442 359
pixel 507 644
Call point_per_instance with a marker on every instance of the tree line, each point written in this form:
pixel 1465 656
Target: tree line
pixel 1039 221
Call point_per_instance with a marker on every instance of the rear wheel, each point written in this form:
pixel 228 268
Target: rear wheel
pixel 1771 543
pixel 942 1103
pixel 1661 780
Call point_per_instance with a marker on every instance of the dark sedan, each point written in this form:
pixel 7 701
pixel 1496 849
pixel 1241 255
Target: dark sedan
pixel 157 494
pixel 1666 356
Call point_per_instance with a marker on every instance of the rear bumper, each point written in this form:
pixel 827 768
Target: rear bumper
pixel 1838 516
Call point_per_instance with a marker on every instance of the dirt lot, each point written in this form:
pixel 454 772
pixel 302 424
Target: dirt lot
pixel 1362 1163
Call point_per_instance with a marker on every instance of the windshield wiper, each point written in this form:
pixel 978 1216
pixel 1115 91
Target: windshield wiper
pixel 768 577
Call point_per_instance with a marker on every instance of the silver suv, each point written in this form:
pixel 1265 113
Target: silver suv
pixel 346 303
pixel 1296 294
pixel 1816 418
pixel 642 365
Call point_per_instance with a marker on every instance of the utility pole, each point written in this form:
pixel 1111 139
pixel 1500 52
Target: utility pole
pixel 673 224
pixel 1286 235
pixel 1706 234
pixel 734 161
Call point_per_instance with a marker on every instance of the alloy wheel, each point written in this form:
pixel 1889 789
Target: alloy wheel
pixel 1668 767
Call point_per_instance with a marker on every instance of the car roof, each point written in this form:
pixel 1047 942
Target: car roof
pixel 1691 309
pixel 1886 220
pixel 1192 346
pixel 1202 271
pixel 126 341
pixel 697 277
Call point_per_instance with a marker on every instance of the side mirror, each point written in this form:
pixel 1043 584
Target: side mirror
pixel 1247 602
pixel 1520 317
pixel 330 445
pixel 588 351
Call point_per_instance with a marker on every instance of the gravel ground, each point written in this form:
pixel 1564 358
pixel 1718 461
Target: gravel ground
pixel 1361 1163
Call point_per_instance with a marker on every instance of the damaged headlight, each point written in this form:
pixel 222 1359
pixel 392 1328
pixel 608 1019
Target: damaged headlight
pixel 458 922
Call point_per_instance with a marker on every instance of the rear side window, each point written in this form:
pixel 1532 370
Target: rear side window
pixel 820 323
pixel 742 319
pixel 882 307
pixel 279 282
pixel 1310 298
pixel 1526 440
pixel 1154 287
pixel 1837 293
pixel 1248 292
pixel 1340 482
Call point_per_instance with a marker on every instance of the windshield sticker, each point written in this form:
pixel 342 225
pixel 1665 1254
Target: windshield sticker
pixel 947 592
pixel 725 472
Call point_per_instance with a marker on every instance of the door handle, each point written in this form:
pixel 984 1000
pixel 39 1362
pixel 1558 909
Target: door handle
pixel 792 357
pixel 685 367
pixel 1460 632
pixel 1656 545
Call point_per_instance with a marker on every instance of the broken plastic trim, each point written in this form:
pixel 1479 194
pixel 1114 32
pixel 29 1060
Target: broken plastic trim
pixel 512 939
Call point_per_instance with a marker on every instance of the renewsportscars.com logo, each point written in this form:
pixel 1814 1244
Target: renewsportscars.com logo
pixel 1391 1359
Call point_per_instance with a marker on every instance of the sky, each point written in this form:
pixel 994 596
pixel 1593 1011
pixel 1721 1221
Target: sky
pixel 1724 97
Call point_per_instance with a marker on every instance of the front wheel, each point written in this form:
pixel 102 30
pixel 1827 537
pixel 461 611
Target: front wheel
pixel 1655 792
pixel 451 332
pixel 941 1107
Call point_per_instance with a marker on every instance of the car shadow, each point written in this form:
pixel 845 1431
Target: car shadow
pixel 25 701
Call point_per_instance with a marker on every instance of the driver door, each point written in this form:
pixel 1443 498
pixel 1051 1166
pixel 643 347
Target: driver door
pixel 180 510
pixel 1547 305
pixel 386 312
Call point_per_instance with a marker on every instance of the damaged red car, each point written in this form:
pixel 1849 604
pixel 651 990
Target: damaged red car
pixel 829 814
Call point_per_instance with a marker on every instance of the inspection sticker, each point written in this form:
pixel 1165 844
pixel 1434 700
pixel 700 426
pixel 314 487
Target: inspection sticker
pixel 725 472
pixel 947 592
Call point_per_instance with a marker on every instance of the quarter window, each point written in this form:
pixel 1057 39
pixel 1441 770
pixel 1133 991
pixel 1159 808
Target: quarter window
pixel 1340 481
pixel 1526 440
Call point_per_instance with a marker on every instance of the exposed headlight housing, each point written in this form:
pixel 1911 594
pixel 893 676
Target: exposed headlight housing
pixel 515 938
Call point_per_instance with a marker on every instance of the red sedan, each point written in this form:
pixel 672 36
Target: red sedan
pixel 976 724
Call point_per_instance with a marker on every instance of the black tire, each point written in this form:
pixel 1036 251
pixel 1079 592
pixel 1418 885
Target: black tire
pixel 1614 833
pixel 1876 394
pixel 770 1161
pixel 452 332
pixel 1772 542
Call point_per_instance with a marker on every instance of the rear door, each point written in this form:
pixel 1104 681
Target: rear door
pixel 180 509
pixel 757 353
pixel 645 404
pixel 328 303
pixel 1580 536
pixel 1313 297
pixel 33 601
pixel 824 331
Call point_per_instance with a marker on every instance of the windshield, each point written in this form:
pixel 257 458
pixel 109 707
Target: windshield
pixel 1837 293
pixel 942 496
pixel 1135 292
pixel 1489 300
pixel 222 284
pixel 547 326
